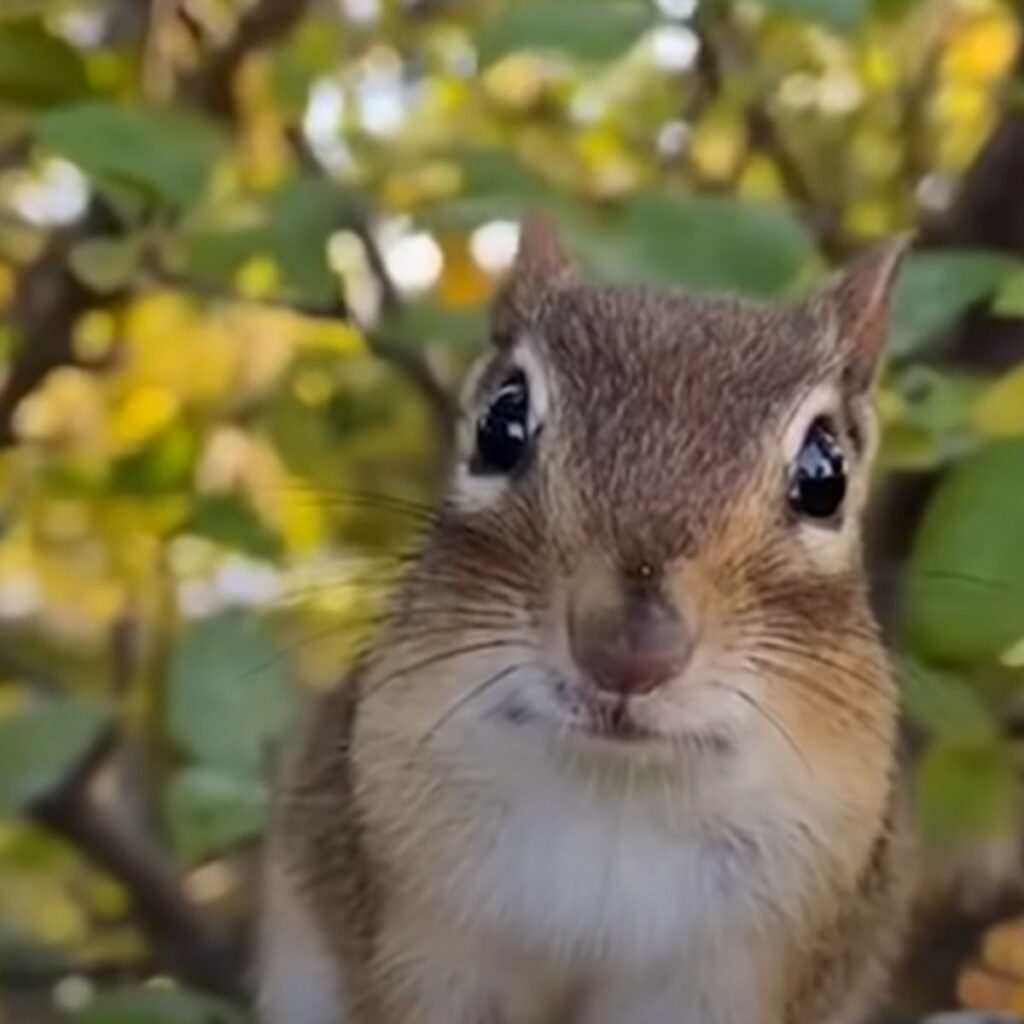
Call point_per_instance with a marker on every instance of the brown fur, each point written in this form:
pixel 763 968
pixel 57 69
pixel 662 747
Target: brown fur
pixel 661 448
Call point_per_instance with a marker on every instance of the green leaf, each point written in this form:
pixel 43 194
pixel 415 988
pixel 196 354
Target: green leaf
pixel 965 596
pixel 38 69
pixel 581 29
pixel 210 810
pixel 156 155
pixel 939 403
pixel 215 253
pixel 309 52
pixel 999 409
pixel 1009 300
pixel 908 447
pixel 893 9
pixel 231 693
pixel 165 465
pixel 946 706
pixel 965 792
pixel 105 264
pixel 39 743
pixel 489 172
pixel 934 288
pixel 708 244
pixel 157 1006
pixel 292 226
pixel 425 323
pixel 494 185
pixel 229 520
pixel 303 216
pixel 841 15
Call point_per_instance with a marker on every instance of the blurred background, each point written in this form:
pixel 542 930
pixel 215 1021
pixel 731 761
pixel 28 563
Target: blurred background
pixel 245 252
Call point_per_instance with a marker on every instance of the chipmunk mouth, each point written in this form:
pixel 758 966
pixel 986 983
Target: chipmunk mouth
pixel 634 724
pixel 576 713
pixel 614 720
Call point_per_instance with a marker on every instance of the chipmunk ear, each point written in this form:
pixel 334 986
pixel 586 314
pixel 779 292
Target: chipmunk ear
pixel 542 258
pixel 858 301
pixel 541 265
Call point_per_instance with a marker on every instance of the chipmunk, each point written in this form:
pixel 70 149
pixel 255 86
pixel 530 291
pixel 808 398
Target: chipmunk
pixel 625 750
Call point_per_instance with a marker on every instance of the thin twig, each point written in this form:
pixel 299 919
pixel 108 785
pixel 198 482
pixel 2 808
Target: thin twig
pixel 764 134
pixel 183 939
pixel 48 301
pixel 157 71
pixel 266 22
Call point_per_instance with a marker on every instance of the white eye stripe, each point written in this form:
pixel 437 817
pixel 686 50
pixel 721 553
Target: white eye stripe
pixel 472 492
pixel 524 357
pixel 823 401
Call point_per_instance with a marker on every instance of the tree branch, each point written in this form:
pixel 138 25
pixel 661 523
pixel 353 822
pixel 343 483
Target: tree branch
pixel 407 362
pixel 418 372
pixel 266 22
pixel 184 941
pixel 764 134
pixel 48 301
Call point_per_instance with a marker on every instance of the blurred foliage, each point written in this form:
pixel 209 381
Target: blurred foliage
pixel 240 269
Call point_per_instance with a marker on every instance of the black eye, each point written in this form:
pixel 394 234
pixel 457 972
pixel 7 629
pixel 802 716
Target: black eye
pixel 818 485
pixel 502 432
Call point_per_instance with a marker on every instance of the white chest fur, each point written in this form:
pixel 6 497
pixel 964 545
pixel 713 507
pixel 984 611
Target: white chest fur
pixel 642 889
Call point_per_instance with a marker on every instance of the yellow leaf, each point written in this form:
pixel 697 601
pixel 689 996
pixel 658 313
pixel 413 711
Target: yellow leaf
pixel 13 699
pixel 463 283
pixel 265 153
pixel 877 152
pixel 718 144
pixel 169 343
pixel 879 66
pixel 264 342
pixel 80 597
pixel 223 461
pixel 1014 656
pixel 981 51
pixel 68 406
pixel 870 218
pixel 297 516
pixel 258 277
pixel 517 83
pixel 431 182
pixel 313 387
pixel 964 113
pixel 141 415
pixel 760 179
pixel 333 335
pixel 94 335
pixel 612 169
pixel 7 282
pixel 999 412
pixel 890 406
pixel 907 447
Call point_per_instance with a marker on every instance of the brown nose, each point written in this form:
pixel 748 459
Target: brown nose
pixel 633 649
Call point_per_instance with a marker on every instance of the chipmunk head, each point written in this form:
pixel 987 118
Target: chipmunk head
pixel 656 503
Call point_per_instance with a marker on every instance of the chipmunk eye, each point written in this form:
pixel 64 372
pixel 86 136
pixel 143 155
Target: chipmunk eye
pixel 502 432
pixel 818 484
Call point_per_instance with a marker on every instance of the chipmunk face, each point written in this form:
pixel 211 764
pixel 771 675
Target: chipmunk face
pixel 657 503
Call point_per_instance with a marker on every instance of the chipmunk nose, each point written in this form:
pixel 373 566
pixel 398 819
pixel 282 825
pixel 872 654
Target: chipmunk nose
pixel 632 649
